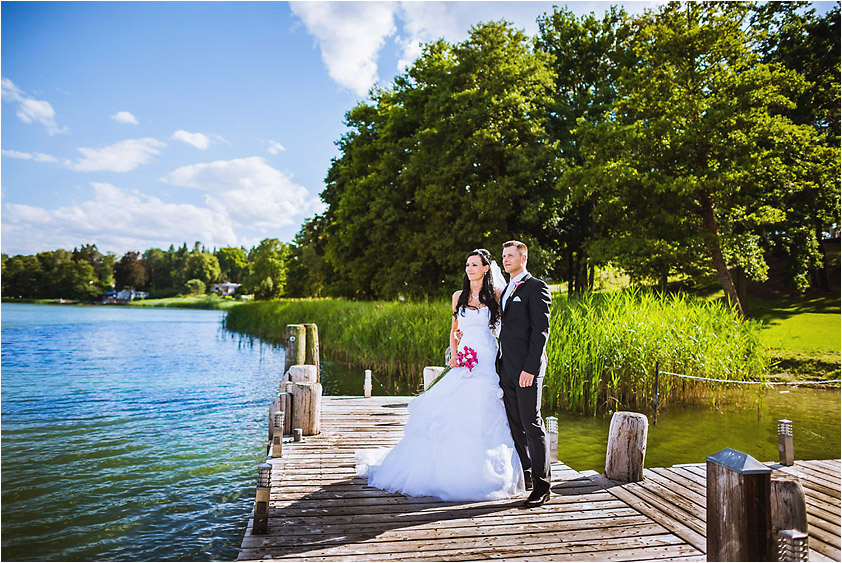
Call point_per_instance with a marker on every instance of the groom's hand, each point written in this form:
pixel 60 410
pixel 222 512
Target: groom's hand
pixel 526 379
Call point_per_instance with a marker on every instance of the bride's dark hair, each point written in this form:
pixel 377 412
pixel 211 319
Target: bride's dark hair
pixel 486 294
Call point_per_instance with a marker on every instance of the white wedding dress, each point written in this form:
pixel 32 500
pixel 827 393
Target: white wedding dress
pixel 457 444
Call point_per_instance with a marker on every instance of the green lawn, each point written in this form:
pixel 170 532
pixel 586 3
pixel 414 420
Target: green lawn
pixel 802 334
pixel 185 302
pixel 808 324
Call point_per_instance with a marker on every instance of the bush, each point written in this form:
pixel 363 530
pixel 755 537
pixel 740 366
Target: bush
pixel 194 287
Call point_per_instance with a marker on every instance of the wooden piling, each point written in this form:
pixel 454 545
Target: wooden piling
pixel 367 384
pixel 626 447
pixel 296 336
pixel 739 513
pixel 311 348
pixel 430 375
pixel 307 407
pixel 303 374
pixel 789 507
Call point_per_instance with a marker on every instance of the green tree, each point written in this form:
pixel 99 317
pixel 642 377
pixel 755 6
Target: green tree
pixel 130 271
pixel 453 156
pixel 203 266
pixel 587 55
pixel 698 128
pixel 233 264
pixel 268 269
pixel 76 280
pixel 793 35
pixel 21 277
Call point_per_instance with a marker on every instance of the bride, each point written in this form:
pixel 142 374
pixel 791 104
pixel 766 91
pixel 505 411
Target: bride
pixel 457 444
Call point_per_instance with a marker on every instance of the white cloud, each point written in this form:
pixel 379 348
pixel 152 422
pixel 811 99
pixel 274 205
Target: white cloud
pixel 119 157
pixel 115 219
pixel 124 117
pixel 275 147
pixel 248 190
pixel 198 140
pixel 350 36
pixel 37 157
pixel 29 109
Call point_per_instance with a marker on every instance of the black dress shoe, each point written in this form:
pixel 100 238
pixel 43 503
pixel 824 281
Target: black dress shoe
pixel 536 499
pixel 527 481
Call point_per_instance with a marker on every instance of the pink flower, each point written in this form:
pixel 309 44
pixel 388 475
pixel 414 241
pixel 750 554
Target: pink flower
pixel 467 358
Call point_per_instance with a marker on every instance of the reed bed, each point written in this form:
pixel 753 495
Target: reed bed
pixel 602 348
pixel 392 338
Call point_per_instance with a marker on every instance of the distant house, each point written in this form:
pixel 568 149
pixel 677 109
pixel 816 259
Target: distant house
pixel 225 289
pixel 124 296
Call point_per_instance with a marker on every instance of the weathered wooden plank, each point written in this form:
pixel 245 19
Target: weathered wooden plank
pixel 674 475
pixel 682 530
pixel 386 534
pixel 678 489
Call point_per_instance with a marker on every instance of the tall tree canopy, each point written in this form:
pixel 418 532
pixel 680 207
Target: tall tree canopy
pixel 453 156
pixel 697 155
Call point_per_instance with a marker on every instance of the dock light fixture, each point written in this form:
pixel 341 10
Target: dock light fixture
pixel 261 500
pixel 792 546
pixel 297 434
pixel 278 434
pixel 786 449
pixel 552 437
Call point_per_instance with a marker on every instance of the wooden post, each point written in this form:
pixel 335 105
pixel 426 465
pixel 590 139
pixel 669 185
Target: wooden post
pixel 303 374
pixel 286 401
pixel 278 434
pixel 307 407
pixel 789 507
pixel 739 512
pixel 273 408
pixel 367 384
pixel 786 451
pixel 311 351
pixel 430 375
pixel 626 447
pixel 552 438
pixel 261 500
pixel 295 352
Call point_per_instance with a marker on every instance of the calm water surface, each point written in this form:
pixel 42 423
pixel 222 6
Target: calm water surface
pixel 128 434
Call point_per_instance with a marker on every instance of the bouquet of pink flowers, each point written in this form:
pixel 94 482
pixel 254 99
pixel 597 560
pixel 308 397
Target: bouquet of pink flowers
pixel 467 358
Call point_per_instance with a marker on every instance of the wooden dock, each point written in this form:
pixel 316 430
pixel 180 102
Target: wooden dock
pixel 320 511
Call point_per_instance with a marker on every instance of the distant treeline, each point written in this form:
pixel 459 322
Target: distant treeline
pixel 695 139
pixel 86 274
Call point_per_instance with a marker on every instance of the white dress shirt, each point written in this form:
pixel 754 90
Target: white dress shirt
pixel 511 287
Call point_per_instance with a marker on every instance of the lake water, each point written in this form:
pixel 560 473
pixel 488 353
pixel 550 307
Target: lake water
pixel 129 434
pixel 135 434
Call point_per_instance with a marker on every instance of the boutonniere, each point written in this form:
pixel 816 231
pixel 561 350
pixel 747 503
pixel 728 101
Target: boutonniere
pixel 517 283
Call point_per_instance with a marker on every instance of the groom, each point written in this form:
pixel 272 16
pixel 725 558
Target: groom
pixel 521 363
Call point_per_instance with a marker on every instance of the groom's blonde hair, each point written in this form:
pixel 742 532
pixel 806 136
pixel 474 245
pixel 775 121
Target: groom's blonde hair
pixel 517 244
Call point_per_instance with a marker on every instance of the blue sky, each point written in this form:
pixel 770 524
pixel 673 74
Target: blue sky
pixel 133 125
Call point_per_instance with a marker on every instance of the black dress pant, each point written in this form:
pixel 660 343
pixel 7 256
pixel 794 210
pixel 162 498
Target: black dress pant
pixel 523 409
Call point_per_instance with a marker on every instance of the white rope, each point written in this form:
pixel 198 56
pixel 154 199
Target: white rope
pixel 752 382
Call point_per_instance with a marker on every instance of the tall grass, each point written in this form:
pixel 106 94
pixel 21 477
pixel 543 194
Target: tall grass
pixel 603 349
pixel 394 338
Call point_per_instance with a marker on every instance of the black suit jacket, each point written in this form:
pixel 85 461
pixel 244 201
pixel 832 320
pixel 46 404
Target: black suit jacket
pixel 525 329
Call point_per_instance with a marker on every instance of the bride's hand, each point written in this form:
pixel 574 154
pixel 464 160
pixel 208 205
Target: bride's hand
pixel 454 363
